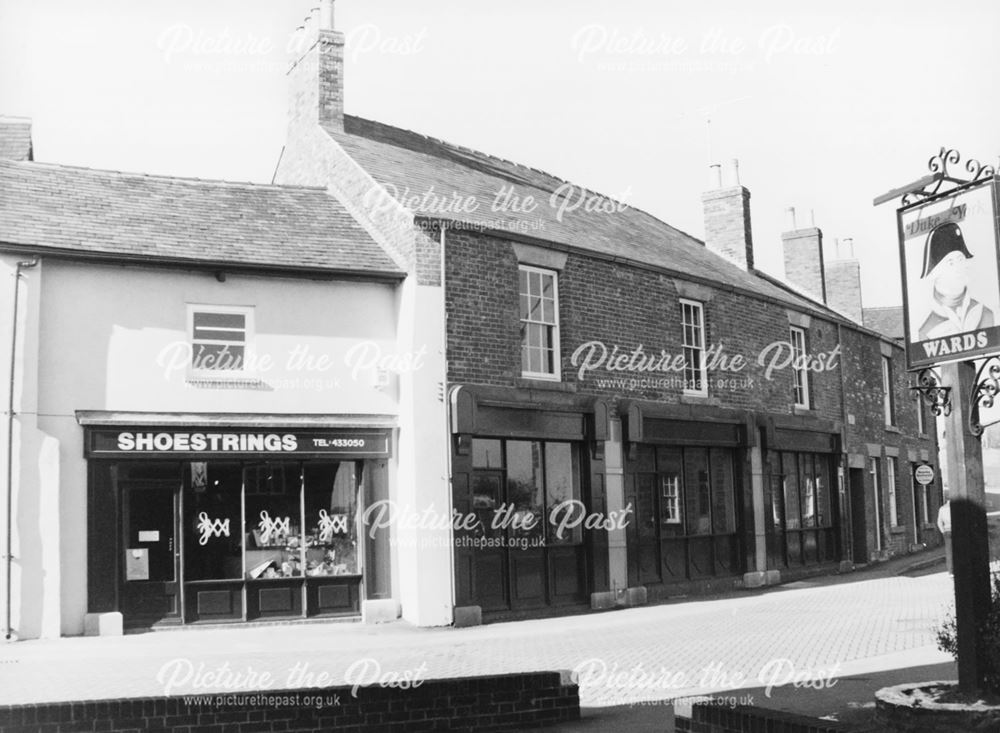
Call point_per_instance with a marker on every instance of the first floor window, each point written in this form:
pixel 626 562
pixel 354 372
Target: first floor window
pixel 887 400
pixel 220 338
pixel 539 309
pixel 800 374
pixel 693 344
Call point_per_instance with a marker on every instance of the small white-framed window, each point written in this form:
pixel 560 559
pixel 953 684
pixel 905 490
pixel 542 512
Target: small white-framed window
pixel 800 374
pixel 693 343
pixel 890 467
pixel 670 506
pixel 539 307
pixel 221 339
pixel 887 401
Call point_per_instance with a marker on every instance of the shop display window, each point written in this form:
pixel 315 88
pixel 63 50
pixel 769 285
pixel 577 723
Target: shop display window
pixel 331 502
pixel 213 507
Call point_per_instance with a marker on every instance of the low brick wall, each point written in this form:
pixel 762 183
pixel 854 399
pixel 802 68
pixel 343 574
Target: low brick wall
pixel 708 718
pixel 495 703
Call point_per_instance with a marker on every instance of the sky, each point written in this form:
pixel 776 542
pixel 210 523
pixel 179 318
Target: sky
pixel 824 108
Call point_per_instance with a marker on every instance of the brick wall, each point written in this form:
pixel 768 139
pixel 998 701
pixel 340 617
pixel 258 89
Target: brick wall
pixel 727 224
pixel 622 305
pixel 708 718
pixel 494 703
pixel 803 254
pixel 628 306
pixel 843 288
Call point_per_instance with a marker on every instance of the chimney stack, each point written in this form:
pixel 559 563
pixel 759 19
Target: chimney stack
pixel 844 282
pixel 316 78
pixel 727 217
pixel 15 138
pixel 803 250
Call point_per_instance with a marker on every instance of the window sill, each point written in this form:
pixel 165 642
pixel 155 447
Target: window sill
pixel 897 530
pixel 893 429
pixel 551 384
pixel 800 410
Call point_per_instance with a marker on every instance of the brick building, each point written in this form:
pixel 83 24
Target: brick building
pixel 578 405
pixel 633 413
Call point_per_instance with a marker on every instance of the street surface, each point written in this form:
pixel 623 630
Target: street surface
pixel 796 641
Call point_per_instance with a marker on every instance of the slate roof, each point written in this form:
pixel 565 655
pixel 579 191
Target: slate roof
pixel 143 217
pixel 887 321
pixel 428 176
pixel 15 138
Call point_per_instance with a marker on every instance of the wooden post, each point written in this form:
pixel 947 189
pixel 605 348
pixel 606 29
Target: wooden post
pixel 970 541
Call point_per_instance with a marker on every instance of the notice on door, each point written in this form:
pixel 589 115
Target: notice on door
pixel 149 535
pixel 137 563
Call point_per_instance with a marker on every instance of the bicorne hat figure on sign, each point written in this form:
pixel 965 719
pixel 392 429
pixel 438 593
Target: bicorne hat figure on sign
pixel 952 309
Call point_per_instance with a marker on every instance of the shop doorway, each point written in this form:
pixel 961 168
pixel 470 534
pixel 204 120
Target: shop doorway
pixel 150 589
pixel 859 517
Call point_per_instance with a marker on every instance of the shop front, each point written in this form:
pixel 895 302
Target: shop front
pixel 203 524
pixel 684 476
pixel 803 519
pixel 526 475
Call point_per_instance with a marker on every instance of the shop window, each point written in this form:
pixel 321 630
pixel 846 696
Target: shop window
pixel 273 521
pixel 525 490
pixel 539 309
pixel 807 480
pixel 723 491
pixel 671 498
pixel 822 480
pixel 214 532
pixel 668 463
pixel 890 467
pixel 220 339
pixel 699 504
pixel 331 503
pixel 487 453
pixel 561 486
pixel 693 344
pixel 793 510
pixel 800 374
pixel 520 492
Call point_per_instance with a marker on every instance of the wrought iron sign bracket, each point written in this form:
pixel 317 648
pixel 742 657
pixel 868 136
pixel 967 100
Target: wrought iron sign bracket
pixel 938 165
pixel 929 389
pixel 984 392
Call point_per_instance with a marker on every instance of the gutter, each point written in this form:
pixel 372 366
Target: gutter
pixel 9 549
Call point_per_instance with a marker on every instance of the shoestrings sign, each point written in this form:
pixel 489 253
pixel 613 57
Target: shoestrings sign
pixel 951 277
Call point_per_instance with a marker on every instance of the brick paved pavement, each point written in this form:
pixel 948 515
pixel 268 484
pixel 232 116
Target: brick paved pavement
pixel 660 652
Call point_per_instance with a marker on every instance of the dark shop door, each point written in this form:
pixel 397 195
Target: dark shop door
pixel 150 588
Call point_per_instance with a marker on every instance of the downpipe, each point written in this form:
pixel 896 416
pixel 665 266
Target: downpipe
pixel 9 549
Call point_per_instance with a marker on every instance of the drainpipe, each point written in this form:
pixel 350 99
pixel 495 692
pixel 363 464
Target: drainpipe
pixel 24 265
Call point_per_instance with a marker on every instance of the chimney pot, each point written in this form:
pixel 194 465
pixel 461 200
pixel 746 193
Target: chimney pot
pixel 849 244
pixel 790 219
pixel 734 172
pixel 326 15
pixel 714 177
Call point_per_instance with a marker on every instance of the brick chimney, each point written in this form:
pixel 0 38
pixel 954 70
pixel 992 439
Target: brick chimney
pixel 316 77
pixel 803 250
pixel 15 138
pixel 843 282
pixel 727 216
